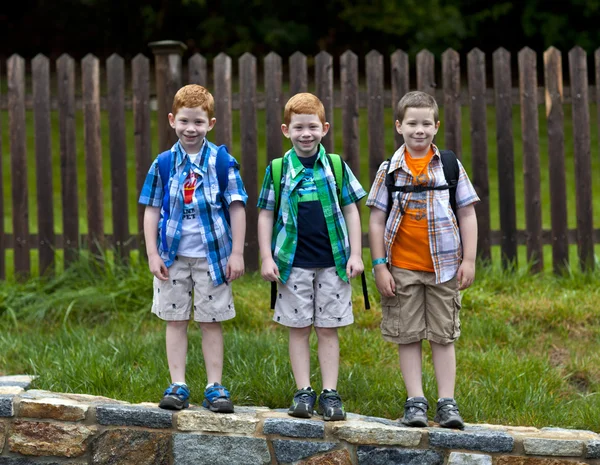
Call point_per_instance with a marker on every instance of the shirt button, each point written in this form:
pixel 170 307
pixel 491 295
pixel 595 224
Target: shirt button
pixel 184 173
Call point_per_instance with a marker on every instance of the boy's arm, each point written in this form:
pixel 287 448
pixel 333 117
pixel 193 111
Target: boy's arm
pixel 383 278
pixel 269 270
pixel 355 265
pixel 235 264
pixel 155 263
pixel 468 234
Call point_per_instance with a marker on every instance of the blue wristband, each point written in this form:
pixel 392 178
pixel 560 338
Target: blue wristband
pixel 379 261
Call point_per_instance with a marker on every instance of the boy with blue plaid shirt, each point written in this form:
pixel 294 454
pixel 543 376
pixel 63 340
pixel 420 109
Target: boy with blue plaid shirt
pixel 311 246
pixel 423 255
pixel 193 252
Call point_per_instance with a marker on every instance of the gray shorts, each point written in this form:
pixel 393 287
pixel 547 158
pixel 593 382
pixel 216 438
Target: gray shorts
pixel 314 296
pixel 190 282
pixel 421 309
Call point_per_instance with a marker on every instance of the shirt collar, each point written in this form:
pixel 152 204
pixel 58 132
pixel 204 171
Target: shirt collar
pixel 182 156
pixel 296 167
pixel 399 158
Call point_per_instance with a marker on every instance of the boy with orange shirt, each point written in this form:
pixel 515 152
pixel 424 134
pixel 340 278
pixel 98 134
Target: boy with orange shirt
pixel 423 255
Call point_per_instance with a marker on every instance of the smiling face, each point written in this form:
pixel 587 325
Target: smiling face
pixel 191 126
pixel 418 128
pixel 306 132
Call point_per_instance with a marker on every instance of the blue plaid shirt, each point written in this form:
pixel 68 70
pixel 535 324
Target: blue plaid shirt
pixel 215 231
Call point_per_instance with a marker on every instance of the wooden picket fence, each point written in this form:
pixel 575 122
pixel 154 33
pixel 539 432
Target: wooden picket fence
pixel 346 93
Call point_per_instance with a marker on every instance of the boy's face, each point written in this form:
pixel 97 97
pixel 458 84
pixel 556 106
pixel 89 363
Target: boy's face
pixel 306 133
pixel 418 128
pixel 191 126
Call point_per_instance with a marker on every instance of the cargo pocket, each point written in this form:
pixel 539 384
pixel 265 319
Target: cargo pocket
pixel 456 315
pixel 390 323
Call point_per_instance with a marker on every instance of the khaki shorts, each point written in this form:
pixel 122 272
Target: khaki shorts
pixel 314 296
pixel 173 298
pixel 421 309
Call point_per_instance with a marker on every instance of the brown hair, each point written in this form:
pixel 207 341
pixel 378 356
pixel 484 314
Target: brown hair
pixel 303 104
pixel 417 99
pixel 192 96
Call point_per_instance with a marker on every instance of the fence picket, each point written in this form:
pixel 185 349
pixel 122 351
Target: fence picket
pixel 90 70
pixel 2 232
pixel 531 157
pixel 274 105
pixel 298 73
pixel 65 69
pixel 324 90
pixel 197 73
pixel 351 135
pixel 452 116
pixel 375 112
pixel 479 149
pixel 222 95
pixel 556 158
pixel 426 72
pixel 400 85
pixel 40 70
pixel 582 156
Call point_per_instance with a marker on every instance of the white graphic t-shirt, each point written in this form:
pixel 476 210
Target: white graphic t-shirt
pixel 191 244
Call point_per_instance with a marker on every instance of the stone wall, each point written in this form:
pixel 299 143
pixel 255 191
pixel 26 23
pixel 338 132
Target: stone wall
pixel 42 427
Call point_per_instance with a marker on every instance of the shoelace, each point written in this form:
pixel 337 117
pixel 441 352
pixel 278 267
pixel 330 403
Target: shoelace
pixel 333 400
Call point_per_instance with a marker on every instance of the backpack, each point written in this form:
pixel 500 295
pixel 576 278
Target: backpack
pixel 451 173
pixel 165 160
pixel 336 163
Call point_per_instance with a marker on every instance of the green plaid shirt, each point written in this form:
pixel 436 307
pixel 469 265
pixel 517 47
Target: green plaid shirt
pixel 285 231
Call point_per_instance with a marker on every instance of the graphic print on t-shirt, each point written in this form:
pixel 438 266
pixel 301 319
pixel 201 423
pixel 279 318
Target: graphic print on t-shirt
pixel 189 187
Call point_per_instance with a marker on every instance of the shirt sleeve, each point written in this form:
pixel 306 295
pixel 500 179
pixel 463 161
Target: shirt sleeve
pixel 235 186
pixel 152 190
pixel 465 192
pixel 266 197
pixel 379 196
pixel 352 191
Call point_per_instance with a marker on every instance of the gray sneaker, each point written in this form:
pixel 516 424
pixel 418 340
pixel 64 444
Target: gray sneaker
pixel 415 412
pixel 447 414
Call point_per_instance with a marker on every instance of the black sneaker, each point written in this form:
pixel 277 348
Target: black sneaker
pixel 415 412
pixel 447 414
pixel 303 404
pixel 330 406
pixel 175 397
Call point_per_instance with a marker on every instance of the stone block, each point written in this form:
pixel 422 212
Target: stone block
pixel 24 461
pixel 358 432
pixel 56 409
pixel 12 390
pixel 294 428
pixel 553 447
pixel 195 449
pixel 459 458
pixel 125 447
pixel 23 381
pixel 472 439
pixel 371 455
pixel 287 450
pixel 42 439
pixel 133 415
pixel 593 450
pixel 6 406
pixel 514 460
pixel 204 420
pixel 336 457
pixel 3 427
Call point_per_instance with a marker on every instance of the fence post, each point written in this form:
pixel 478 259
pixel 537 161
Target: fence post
pixel 197 73
pixel 375 111
pixel 324 90
pixel 167 64
pixel 222 95
pixel 273 105
pixel 426 72
pixel 452 116
pixel 2 233
pixel 400 86
pixel 349 84
pixel 298 74
pixel 18 149
pixel 556 159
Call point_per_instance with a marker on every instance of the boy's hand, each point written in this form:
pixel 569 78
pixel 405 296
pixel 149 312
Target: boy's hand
pixel 157 267
pixel 269 270
pixel 235 267
pixel 355 266
pixel 384 281
pixel 465 274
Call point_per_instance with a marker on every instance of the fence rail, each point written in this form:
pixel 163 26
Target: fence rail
pixel 458 89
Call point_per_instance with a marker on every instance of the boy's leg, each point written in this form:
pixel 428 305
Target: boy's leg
pixel 411 366
pixel 212 349
pixel 299 348
pixel 444 364
pixel 329 356
pixel 177 344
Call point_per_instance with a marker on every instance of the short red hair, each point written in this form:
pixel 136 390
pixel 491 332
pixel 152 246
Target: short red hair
pixel 192 96
pixel 303 104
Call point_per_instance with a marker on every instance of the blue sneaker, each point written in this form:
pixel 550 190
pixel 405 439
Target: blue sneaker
pixel 330 406
pixel 303 403
pixel 176 397
pixel 217 399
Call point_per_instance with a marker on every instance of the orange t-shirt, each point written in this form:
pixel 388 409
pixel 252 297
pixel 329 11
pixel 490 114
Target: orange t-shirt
pixel 410 249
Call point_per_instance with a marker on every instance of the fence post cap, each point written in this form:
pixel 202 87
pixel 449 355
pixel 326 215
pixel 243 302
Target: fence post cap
pixel 167 47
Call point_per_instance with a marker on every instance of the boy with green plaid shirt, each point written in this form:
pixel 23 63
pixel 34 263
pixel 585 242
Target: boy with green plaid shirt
pixel 311 246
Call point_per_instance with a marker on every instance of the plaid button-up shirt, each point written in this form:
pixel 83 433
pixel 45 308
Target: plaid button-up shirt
pixel 215 231
pixel 285 234
pixel 444 235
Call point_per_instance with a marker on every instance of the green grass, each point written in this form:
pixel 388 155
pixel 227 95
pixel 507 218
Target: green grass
pixel 529 353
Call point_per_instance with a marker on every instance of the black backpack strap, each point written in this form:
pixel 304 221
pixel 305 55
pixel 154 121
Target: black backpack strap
pixel 451 173
pixel 390 181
